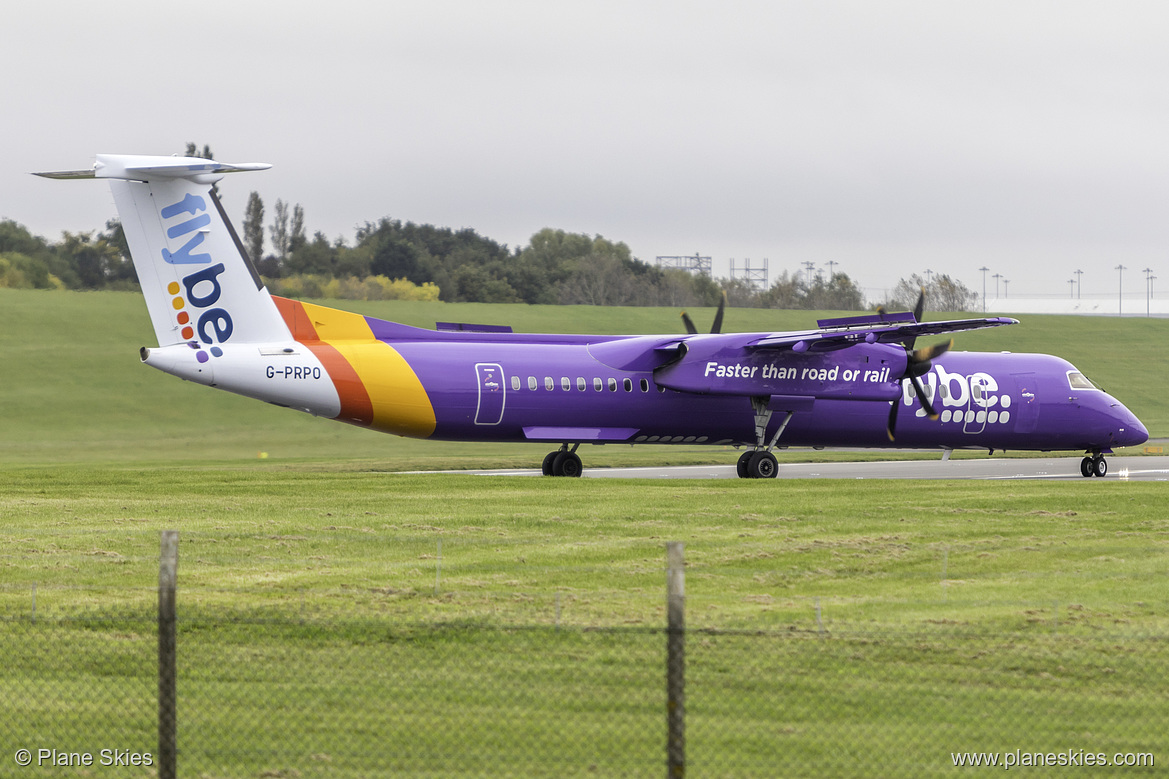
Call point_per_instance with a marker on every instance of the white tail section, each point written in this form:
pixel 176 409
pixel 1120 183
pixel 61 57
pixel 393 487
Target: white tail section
pixel 197 279
pixel 216 323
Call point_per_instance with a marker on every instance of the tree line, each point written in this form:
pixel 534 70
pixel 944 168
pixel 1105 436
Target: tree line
pixel 395 259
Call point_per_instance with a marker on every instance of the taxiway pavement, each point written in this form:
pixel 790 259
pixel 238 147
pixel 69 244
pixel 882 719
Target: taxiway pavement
pixel 1057 468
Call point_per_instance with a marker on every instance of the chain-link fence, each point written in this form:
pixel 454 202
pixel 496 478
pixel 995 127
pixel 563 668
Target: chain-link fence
pixel 281 690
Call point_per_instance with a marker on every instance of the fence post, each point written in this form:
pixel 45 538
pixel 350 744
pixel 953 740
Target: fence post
pixel 167 574
pixel 675 661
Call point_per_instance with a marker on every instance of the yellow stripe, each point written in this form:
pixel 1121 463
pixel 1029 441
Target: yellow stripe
pixel 334 325
pixel 400 402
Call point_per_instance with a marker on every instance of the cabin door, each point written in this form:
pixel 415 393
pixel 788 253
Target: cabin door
pixel 1026 408
pixel 491 393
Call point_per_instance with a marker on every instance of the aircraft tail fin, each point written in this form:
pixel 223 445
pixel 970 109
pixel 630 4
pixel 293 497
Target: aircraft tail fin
pixel 199 284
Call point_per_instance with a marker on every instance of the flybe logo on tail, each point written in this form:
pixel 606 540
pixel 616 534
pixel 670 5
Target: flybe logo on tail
pixel 194 299
pixel 190 204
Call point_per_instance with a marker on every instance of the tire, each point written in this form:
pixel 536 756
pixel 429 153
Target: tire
pixel 1100 466
pixel 546 466
pixel 762 465
pixel 1086 469
pixel 566 464
pixel 741 466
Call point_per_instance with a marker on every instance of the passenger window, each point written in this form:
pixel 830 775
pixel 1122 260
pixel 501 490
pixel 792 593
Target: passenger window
pixel 944 391
pixel 565 383
pixel 628 385
pixel 580 383
pixel 645 385
pixel 612 384
pixel 977 391
pixel 532 383
pixel 548 383
pixel 598 385
pixel 515 382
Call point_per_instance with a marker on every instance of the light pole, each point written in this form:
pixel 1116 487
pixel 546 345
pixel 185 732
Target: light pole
pixel 1071 288
pixel 996 278
pixel 984 269
pixel 1149 291
pixel 1079 283
pixel 1120 290
pixel 831 273
pixel 1006 289
pixel 809 266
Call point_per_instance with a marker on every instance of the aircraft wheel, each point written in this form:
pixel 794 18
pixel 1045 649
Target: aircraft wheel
pixel 546 466
pixel 1086 467
pixel 741 466
pixel 1099 466
pixel 762 465
pixel 566 464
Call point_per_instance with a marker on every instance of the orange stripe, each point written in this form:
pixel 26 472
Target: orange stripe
pixel 296 319
pixel 356 406
pixel 400 403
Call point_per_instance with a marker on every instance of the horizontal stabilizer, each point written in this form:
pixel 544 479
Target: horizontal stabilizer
pixel 66 174
pixel 148 168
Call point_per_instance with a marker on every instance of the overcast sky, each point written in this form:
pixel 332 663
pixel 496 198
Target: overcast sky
pixel 894 137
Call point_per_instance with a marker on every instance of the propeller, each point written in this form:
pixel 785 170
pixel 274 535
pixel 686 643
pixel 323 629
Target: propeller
pixel 717 327
pixel 918 363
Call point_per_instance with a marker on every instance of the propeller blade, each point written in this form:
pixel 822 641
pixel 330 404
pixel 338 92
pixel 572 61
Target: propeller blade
pixel 717 327
pixel 930 352
pixel 925 401
pixel 690 328
pixel 892 423
pixel 919 308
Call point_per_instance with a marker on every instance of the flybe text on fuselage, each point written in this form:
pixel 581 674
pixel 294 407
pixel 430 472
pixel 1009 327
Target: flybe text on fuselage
pixel 955 389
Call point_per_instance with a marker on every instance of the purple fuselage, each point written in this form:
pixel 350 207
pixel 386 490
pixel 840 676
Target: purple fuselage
pixel 647 389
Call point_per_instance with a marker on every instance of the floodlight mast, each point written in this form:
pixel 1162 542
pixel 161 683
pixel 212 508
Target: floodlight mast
pixel 1120 290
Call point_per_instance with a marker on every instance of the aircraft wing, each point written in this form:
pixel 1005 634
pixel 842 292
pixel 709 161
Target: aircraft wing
pixel 849 331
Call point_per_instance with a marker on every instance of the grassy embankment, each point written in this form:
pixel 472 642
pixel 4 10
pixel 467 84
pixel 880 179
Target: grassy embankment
pixel 74 390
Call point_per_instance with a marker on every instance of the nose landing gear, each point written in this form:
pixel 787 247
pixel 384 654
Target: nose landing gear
pixel 1094 465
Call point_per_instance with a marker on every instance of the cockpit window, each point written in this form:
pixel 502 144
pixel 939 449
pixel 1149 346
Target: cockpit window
pixel 1079 381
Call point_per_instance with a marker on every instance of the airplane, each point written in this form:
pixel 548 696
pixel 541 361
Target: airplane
pixel 856 381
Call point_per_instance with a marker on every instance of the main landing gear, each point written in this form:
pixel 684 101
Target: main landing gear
pixel 760 463
pixel 757 465
pixel 1094 465
pixel 562 462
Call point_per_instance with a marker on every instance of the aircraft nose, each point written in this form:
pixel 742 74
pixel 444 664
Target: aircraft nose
pixel 1130 431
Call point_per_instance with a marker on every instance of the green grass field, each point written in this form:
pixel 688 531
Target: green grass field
pixel 337 619
pixel 852 628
